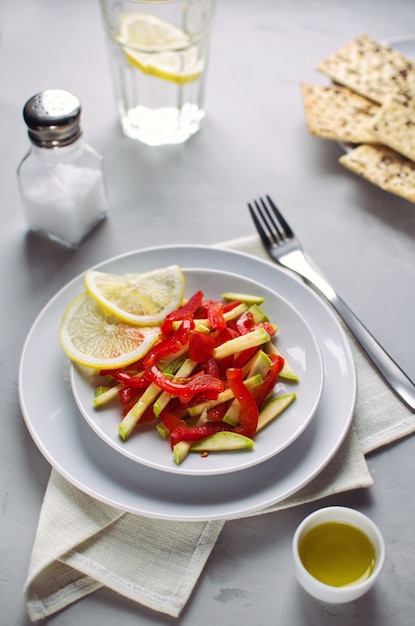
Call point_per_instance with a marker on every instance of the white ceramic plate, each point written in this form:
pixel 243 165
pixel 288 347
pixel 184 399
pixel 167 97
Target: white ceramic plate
pixel 73 449
pixel 294 340
pixel 404 44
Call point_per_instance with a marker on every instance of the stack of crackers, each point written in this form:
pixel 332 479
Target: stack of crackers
pixel 370 106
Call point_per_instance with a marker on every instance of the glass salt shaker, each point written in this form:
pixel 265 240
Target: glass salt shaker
pixel 61 178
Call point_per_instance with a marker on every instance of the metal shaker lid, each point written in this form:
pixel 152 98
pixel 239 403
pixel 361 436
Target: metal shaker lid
pixel 53 118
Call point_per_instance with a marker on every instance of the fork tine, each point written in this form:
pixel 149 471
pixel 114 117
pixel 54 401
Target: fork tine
pixel 264 223
pixel 287 229
pixel 273 225
pixel 258 223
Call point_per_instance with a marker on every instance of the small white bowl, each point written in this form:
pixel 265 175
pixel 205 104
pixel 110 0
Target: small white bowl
pixel 323 591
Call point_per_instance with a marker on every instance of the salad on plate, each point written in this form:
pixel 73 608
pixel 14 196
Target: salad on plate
pixel 202 371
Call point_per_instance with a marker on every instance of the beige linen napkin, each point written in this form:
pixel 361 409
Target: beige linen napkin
pixel 82 544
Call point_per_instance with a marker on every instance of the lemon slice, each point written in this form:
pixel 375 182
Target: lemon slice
pixel 90 336
pixel 159 48
pixel 141 299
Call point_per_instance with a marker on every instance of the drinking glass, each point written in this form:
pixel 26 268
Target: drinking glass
pixel 159 51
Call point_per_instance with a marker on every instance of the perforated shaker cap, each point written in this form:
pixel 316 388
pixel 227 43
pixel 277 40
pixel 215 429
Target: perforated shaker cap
pixel 53 118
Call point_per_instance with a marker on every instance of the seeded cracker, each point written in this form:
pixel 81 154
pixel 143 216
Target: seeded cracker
pixel 383 167
pixel 339 114
pixel 394 124
pixel 370 69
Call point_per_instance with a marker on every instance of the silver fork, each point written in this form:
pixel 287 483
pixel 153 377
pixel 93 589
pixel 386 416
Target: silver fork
pixel 283 246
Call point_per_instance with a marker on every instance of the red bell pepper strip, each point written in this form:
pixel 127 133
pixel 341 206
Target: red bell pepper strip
pixel 245 323
pixel 187 311
pixel 138 382
pixel 194 433
pixel 201 346
pixel 241 358
pixel 201 396
pixel 199 382
pixel 263 390
pixel 177 408
pixel 228 306
pixel 214 310
pixel 170 345
pixel 127 395
pixel 217 413
pixel 211 367
pixel 248 417
pixel 226 334
pixel 171 421
pixel 270 328
pixel 128 405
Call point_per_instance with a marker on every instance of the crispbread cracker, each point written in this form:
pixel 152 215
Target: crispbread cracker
pixel 394 124
pixel 369 68
pixel 383 167
pixel 338 113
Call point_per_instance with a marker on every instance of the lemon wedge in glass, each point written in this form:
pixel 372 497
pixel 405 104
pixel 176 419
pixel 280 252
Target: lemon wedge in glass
pixel 159 48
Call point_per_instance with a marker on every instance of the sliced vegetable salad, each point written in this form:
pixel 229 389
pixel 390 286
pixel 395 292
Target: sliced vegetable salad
pixel 208 382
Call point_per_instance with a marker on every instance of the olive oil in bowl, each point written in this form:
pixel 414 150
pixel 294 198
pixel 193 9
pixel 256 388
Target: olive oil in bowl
pixel 337 554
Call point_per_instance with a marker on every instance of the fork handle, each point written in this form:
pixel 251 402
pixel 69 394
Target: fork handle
pixel 391 372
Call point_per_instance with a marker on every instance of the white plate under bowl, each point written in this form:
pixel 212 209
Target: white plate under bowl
pixel 404 44
pixel 294 339
pixel 73 449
